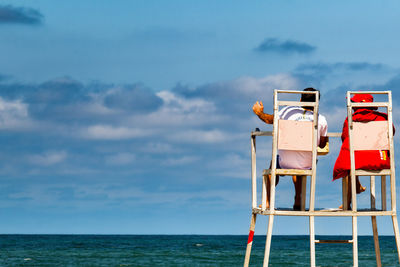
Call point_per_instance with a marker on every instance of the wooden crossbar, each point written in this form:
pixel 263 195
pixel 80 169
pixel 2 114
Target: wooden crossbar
pixel 333 241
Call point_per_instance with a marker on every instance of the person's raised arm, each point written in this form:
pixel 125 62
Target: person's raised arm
pixel 258 109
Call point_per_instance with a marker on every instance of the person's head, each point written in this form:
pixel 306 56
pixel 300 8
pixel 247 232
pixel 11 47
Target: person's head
pixel 360 98
pixel 309 97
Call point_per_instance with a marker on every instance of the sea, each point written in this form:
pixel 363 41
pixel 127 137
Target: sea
pixel 183 250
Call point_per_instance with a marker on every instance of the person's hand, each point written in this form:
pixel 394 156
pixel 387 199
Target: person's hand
pixel 258 108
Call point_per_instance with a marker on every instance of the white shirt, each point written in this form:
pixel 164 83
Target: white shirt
pixel 289 159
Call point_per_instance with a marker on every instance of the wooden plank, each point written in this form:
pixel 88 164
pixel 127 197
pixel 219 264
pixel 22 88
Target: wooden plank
pixel 369 92
pixel 352 160
pixel 355 241
pixel 274 153
pixel 296 92
pixel 334 241
pixel 250 239
pixel 297 103
pixel 383 192
pixel 369 104
pixel 253 173
pixel 334 134
pixel 392 161
pixel 372 194
pixel 372 172
pixel 262 133
pixel 295 135
pixel 376 241
pixel 264 192
pixel 345 187
pixel 288 172
pixel 373 135
pixel 303 192
pixel 396 234
pixel 312 241
pixel 314 154
pixel 325 213
pixel 268 241
pixel 270 133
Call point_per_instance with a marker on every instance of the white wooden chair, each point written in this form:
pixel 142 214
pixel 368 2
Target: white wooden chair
pixel 286 135
pixel 379 137
pixel 374 135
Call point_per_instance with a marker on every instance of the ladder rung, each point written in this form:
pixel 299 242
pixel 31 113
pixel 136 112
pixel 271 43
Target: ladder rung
pixel 333 241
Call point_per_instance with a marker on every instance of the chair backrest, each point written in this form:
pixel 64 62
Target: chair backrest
pixel 295 135
pixel 372 135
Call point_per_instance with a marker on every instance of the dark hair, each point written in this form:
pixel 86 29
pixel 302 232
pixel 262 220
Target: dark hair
pixel 309 97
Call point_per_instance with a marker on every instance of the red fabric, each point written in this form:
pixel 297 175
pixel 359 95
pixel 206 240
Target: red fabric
pixel 366 159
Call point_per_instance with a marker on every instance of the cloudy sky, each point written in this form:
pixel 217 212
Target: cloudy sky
pixel 133 117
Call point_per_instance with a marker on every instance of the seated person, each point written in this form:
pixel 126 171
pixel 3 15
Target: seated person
pixel 364 159
pixel 295 159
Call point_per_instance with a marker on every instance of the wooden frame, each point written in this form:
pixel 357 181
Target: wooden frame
pixel 312 212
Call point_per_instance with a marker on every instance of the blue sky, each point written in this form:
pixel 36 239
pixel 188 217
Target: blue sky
pixel 133 117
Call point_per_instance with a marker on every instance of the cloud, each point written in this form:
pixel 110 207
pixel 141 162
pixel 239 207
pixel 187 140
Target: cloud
pixel 134 98
pixel 180 160
pixel 13 114
pixel 201 136
pixel 284 47
pixel 108 132
pixel 121 159
pixel 48 158
pixel 159 148
pixel 10 14
pixel 325 68
pixel 237 96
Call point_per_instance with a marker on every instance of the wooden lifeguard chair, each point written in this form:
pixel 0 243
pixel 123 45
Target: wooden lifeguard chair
pixel 382 130
pixel 288 140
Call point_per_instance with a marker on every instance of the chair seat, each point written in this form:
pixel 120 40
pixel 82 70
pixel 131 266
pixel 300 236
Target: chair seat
pixel 288 172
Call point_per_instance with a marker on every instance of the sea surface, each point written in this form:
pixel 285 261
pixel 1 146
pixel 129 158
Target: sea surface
pixel 183 250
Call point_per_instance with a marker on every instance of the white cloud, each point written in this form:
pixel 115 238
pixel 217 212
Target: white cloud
pixel 13 114
pixel 48 158
pixel 200 136
pixel 120 159
pixel 159 148
pixel 267 84
pixel 179 104
pixel 107 132
pixel 180 161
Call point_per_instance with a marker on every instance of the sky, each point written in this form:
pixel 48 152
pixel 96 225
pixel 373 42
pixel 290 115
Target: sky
pixel 134 117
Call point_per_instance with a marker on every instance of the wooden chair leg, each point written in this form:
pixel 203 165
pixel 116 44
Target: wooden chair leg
pixel 264 193
pixel 396 234
pixel 345 201
pixel 355 242
pixel 372 194
pixel 374 225
pixel 383 192
pixel 250 239
pixel 376 241
pixel 303 192
pixel 268 241
pixel 312 242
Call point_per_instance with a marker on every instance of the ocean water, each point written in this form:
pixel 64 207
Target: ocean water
pixel 182 250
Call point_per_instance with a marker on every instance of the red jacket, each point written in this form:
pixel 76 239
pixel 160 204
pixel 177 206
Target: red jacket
pixel 365 159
